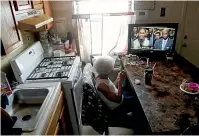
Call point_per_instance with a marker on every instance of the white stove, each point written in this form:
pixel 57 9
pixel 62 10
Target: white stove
pixel 31 66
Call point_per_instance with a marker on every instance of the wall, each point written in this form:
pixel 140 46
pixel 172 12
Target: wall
pixel 5 62
pixel 174 14
pixel 63 10
pixel 62 15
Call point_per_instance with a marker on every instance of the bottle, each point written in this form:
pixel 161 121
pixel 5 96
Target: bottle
pixel 124 81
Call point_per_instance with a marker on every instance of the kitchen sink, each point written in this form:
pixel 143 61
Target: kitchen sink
pixel 25 104
pixel 30 96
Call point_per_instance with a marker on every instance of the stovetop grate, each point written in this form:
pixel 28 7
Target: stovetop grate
pixel 53 68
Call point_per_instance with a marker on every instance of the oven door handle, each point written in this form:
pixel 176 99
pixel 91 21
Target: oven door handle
pixel 77 78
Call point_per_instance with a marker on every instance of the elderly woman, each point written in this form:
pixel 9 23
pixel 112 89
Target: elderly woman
pixel 111 93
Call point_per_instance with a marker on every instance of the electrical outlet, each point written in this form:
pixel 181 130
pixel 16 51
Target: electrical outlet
pixel 162 12
pixel 28 38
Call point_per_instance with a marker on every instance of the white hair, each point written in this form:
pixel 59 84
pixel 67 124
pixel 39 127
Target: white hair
pixel 104 65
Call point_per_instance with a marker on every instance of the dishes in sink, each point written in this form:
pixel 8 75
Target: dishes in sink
pixel 190 88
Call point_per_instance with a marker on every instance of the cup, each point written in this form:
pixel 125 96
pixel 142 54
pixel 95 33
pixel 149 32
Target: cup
pixel 134 57
pixel 148 73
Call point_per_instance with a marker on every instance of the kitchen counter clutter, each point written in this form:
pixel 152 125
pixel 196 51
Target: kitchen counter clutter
pixel 45 121
pixel 165 106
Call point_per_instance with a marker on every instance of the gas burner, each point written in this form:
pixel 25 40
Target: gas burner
pixel 65 63
pixel 51 63
pixel 58 74
pixel 43 75
pixel 47 59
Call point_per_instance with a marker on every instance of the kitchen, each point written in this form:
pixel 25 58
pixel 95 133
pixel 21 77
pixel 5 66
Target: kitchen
pixel 43 58
pixel 32 20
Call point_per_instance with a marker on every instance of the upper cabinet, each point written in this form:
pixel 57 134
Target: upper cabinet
pixel 37 4
pixel 10 35
pixel 22 5
pixel 12 12
pixel 48 11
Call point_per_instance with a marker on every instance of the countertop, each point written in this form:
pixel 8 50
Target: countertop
pixel 47 111
pixel 166 107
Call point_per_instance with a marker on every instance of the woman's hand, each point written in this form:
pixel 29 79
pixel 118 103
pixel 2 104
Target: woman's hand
pixel 121 76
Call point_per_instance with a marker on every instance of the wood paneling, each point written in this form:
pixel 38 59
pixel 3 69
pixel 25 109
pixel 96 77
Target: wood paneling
pixel 48 11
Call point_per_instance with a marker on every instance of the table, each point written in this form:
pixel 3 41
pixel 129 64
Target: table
pixel 165 106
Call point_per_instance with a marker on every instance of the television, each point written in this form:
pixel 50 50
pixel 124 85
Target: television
pixel 158 37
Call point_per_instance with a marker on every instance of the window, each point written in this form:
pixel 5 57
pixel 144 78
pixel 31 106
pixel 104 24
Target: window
pixel 104 23
pixel 102 6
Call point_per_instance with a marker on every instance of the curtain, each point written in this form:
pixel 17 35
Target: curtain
pixel 102 33
pixel 83 32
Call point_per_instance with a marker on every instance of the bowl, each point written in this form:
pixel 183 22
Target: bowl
pixel 192 88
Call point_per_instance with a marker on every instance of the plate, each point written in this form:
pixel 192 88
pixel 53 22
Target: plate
pixel 181 88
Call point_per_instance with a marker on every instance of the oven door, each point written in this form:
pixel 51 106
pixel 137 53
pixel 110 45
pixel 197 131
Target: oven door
pixel 77 95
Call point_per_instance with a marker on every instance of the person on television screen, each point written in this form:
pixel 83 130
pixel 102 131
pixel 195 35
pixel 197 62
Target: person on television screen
pixel 171 34
pixel 150 36
pixel 150 31
pixel 141 41
pixel 135 33
pixel 157 36
pixel 165 43
pixel 147 33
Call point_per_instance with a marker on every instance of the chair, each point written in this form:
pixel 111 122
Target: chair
pixel 94 111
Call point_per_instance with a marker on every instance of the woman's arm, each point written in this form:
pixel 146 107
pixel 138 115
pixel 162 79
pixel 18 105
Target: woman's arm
pixel 116 81
pixel 103 88
pixel 120 76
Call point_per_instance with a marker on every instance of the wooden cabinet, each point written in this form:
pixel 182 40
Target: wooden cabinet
pixel 37 4
pixel 57 124
pixel 17 10
pixel 61 125
pixel 48 11
pixel 57 130
pixel 10 35
pixel 22 5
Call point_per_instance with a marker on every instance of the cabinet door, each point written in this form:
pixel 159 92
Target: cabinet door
pixel 57 130
pixel 37 4
pixel 55 116
pixel 190 47
pixel 22 5
pixel 9 32
pixel 48 11
pixel 62 121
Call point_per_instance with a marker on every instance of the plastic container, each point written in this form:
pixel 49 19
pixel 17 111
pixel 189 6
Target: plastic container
pixel 5 86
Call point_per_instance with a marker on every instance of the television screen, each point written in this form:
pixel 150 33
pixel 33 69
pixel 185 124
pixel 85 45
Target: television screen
pixel 160 37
